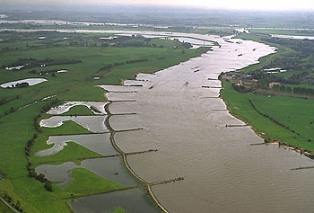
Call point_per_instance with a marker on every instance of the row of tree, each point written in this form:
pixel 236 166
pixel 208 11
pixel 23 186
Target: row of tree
pixel 16 205
pixel 296 90
pixel 108 67
pixel 30 63
pixel 29 144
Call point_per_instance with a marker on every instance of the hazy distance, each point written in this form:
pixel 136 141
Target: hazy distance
pixel 210 4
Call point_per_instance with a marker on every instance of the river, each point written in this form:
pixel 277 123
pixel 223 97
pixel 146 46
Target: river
pixel 179 113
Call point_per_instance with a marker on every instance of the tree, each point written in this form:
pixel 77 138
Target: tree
pixel 48 186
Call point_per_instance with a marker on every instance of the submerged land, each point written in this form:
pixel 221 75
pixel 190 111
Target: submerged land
pixel 274 97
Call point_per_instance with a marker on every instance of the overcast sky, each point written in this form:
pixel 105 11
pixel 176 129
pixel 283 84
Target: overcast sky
pixel 220 4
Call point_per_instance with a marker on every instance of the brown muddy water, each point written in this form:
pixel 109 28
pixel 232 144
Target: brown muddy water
pixel 178 112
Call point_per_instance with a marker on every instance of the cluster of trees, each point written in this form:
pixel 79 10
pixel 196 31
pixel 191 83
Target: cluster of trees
pixel 40 177
pixel 53 103
pixel 30 169
pixel 133 41
pixel 301 59
pixel 29 63
pixel 29 145
pixel 304 46
pixel 241 88
pixel 108 67
pixel 21 85
pixel 183 44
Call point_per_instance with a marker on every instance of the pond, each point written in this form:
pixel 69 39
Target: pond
pixel 30 81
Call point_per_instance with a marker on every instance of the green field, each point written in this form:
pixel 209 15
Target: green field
pixel 79 110
pixel 84 56
pixel 289 120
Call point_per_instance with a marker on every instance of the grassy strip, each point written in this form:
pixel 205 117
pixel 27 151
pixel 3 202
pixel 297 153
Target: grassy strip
pixel 288 119
pixel 71 152
pixel 93 184
pixel 119 210
pixel 68 127
pixel 79 110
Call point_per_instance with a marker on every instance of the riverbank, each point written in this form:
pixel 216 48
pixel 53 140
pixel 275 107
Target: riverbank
pixel 267 122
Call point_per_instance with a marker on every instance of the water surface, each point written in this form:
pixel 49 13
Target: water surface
pixel 99 143
pixel 134 200
pixel 30 81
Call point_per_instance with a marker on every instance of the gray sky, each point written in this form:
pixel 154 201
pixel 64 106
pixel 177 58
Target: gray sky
pixel 221 4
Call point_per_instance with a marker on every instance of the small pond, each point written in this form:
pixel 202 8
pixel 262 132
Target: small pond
pixel 30 81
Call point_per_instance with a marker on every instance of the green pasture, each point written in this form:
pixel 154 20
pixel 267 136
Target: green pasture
pixel 79 110
pixel 294 113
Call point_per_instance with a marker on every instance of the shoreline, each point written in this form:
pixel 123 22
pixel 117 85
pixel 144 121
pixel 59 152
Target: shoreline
pixel 284 145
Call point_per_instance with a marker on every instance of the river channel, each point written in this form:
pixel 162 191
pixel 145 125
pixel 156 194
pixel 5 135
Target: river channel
pixel 201 165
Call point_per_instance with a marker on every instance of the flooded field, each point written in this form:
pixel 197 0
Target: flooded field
pixel 200 144
pixel 93 123
pixel 99 143
pixel 134 200
pixel 99 106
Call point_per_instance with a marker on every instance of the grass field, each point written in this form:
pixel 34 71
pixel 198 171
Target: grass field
pixel 289 120
pixel 19 107
pixel 79 110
